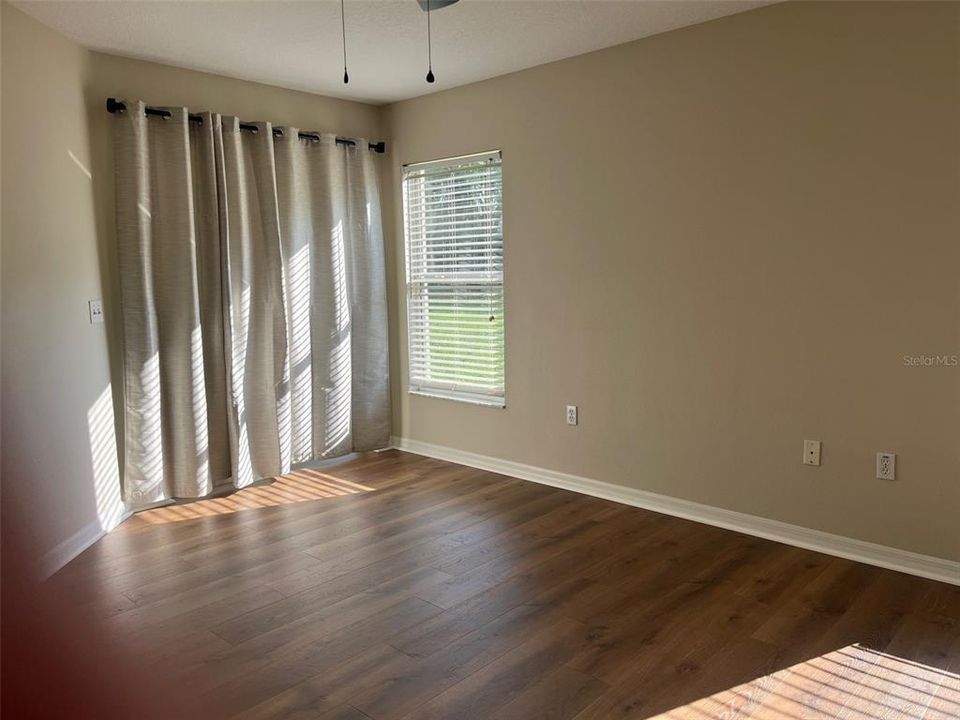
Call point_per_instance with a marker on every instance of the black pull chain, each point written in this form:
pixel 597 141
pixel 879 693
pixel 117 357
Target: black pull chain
pixel 343 27
pixel 430 77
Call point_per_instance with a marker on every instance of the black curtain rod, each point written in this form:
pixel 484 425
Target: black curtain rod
pixel 115 106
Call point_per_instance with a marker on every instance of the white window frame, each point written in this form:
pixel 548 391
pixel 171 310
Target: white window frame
pixel 417 386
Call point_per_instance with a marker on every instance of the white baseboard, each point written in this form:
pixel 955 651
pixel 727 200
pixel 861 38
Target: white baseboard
pixel 866 552
pixel 54 559
pixel 66 551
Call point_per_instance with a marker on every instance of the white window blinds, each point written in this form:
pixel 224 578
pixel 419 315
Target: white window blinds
pixel 453 214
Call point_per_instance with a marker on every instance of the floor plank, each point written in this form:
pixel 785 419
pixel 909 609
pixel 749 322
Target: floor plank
pixel 395 587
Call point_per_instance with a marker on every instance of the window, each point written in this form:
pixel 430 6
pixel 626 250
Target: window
pixel 453 214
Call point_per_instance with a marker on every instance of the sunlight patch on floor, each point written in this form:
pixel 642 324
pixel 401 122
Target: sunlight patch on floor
pixel 294 487
pixel 854 683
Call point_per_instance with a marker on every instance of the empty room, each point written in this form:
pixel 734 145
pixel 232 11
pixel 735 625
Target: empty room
pixel 480 360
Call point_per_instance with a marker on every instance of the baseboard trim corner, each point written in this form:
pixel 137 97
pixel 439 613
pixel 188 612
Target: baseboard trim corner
pixel 56 558
pixel 925 566
pixel 70 548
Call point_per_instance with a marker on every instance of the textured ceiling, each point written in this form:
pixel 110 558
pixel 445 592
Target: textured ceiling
pixel 298 44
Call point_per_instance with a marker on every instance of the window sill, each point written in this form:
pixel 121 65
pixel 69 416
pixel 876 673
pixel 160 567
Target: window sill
pixel 485 401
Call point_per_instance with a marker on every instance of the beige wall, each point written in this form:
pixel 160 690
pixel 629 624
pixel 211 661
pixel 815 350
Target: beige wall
pixel 59 458
pixel 720 241
pixel 54 363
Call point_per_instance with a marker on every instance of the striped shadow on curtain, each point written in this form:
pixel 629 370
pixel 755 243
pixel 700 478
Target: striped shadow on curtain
pixel 253 302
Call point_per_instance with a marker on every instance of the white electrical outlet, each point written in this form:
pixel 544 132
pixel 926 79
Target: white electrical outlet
pixel 572 414
pixel 811 452
pixel 96 311
pixel 886 466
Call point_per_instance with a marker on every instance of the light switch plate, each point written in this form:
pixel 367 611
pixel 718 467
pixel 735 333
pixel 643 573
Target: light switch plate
pixel 96 311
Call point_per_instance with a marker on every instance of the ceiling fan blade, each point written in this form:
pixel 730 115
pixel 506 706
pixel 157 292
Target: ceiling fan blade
pixel 435 4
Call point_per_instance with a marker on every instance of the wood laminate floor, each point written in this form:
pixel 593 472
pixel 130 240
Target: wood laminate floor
pixel 396 587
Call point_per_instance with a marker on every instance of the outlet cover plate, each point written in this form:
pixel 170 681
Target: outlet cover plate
pixel 811 452
pixel 886 466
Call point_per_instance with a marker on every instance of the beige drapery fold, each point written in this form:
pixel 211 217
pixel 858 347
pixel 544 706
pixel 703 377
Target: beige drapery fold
pixel 253 302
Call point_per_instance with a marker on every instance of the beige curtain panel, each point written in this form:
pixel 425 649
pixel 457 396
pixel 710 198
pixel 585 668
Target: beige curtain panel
pixel 253 302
